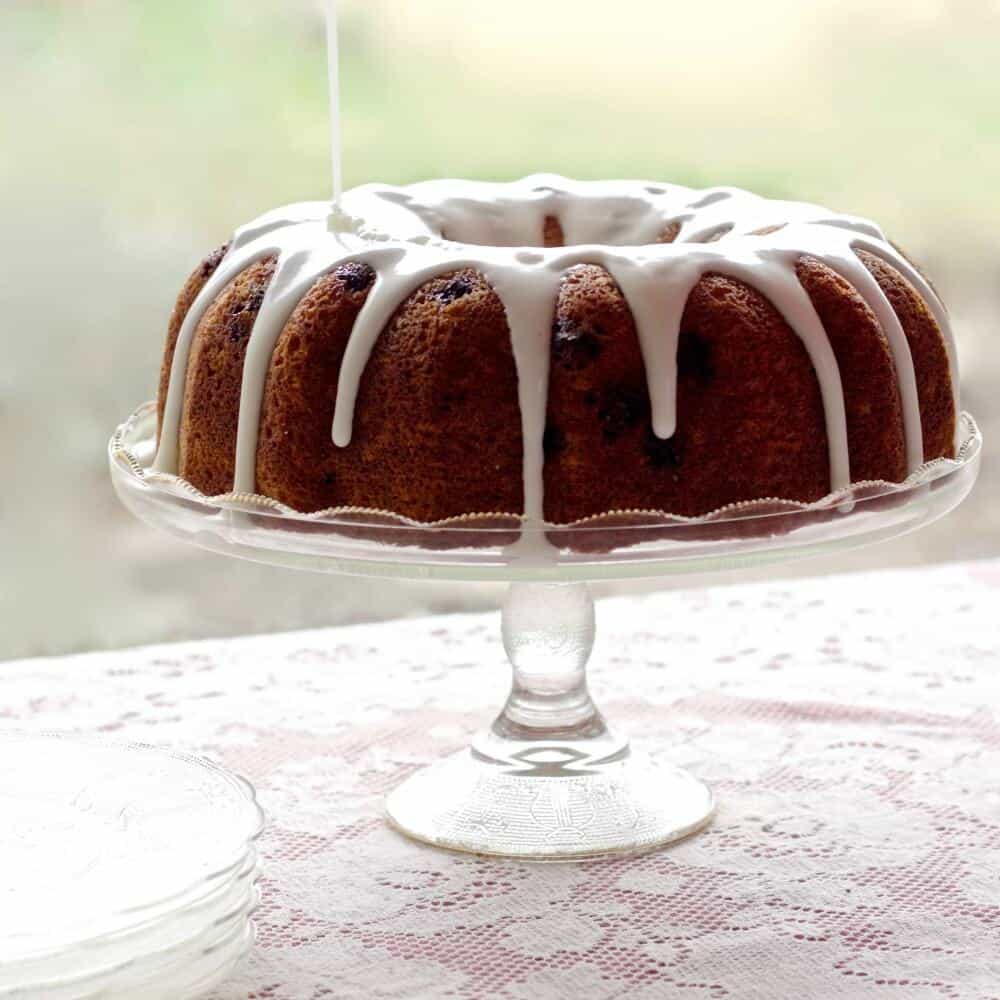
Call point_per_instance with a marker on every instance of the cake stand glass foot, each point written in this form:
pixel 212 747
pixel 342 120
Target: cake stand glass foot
pixel 549 781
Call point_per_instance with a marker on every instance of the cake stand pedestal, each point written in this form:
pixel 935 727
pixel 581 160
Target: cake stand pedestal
pixel 549 780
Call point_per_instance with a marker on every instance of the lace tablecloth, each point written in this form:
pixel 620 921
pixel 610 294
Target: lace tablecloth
pixel 849 728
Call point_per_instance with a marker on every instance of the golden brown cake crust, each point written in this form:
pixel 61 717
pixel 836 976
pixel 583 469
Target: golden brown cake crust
pixel 437 423
pixel 875 433
pixel 297 462
pixel 750 419
pixel 195 283
pixel 938 411
pixel 210 415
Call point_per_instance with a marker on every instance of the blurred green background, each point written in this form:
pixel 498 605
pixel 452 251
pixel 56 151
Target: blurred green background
pixel 139 134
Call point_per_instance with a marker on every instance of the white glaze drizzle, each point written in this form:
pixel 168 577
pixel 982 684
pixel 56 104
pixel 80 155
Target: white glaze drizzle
pixel 497 229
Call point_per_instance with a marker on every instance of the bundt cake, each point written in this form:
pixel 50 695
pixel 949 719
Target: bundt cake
pixel 554 349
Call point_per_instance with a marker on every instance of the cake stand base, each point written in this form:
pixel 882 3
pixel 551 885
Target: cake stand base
pixel 549 781
pixel 622 807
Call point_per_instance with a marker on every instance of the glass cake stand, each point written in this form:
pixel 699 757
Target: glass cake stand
pixel 549 779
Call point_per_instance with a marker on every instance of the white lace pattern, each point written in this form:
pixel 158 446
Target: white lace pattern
pixel 847 725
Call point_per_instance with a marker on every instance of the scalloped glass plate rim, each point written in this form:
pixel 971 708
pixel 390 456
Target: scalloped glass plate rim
pixel 212 964
pixel 215 937
pixel 243 886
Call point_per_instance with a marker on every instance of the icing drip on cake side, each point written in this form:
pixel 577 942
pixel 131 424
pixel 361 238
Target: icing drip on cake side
pixel 410 235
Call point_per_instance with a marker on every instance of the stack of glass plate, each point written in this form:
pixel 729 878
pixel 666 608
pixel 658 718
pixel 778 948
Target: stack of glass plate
pixel 125 871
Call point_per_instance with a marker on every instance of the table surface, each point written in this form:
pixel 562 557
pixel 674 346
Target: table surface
pixel 848 726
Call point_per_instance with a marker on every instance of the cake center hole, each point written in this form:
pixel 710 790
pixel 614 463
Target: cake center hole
pixel 505 230
pixel 517 230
